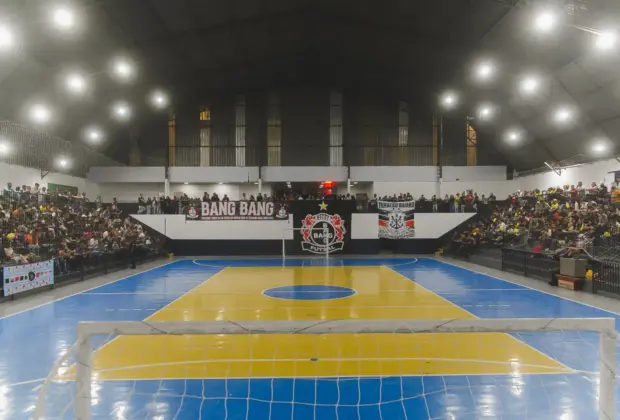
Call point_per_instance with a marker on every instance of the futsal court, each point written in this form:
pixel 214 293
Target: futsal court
pixel 302 376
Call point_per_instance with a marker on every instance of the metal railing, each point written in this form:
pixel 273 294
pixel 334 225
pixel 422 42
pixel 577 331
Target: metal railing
pixel 310 155
pixel 28 147
pixel 606 277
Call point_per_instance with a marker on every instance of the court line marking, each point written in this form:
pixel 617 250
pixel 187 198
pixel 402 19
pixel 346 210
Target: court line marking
pixel 313 300
pixel 333 359
pixel 446 292
pixel 317 307
pixel 573 372
pixel 87 290
pixel 157 311
pixel 413 261
pixel 527 287
pixel 322 378
pixel 509 335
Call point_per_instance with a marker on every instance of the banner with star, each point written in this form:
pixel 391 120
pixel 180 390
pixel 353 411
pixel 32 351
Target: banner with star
pixel 313 217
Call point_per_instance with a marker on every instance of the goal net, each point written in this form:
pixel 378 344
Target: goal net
pixel 354 369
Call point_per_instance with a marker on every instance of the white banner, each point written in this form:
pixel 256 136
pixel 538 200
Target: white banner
pixel 20 278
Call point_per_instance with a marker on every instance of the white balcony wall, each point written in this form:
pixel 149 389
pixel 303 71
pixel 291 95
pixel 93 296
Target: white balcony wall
pixel 473 173
pixel 205 175
pixel 394 173
pixel 126 174
pixel 304 173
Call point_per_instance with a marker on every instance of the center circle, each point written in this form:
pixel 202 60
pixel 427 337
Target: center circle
pixel 309 292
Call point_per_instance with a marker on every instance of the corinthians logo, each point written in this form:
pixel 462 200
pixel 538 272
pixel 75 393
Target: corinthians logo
pixel 322 231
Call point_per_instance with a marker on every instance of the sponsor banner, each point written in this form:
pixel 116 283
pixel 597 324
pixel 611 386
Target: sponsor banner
pixel 20 278
pixel 237 210
pixel 396 219
pixel 324 225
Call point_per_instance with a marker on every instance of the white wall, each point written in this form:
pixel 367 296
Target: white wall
pixel 128 192
pixel 364 226
pixel 592 172
pixel 414 188
pixel 363 188
pixel 304 173
pixel 228 174
pixel 474 173
pixel 127 174
pixel 176 227
pixel 394 173
pixel 435 225
pixel 234 191
pixel 20 175
pixel 501 189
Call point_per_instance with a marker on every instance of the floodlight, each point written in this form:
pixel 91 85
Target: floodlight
pixel 64 18
pixel 123 68
pixel 513 135
pixel 94 134
pixel 6 38
pixel 63 162
pixel 600 146
pixel 121 110
pixel 563 114
pixel 485 112
pixel 448 100
pixel 529 85
pixel 4 148
pixel 159 99
pixel 545 22
pixel 606 40
pixel 484 70
pixel 40 114
pixel 76 83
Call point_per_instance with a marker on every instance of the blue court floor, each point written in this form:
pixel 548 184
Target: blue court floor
pixel 33 340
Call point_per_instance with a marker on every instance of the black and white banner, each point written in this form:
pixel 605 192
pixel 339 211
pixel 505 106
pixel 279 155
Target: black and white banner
pixel 237 210
pixel 20 278
pixel 396 219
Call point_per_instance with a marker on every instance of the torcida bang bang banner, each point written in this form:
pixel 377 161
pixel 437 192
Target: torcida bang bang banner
pixel 237 210
pixel 396 219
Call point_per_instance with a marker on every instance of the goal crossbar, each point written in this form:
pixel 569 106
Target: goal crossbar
pixel 604 326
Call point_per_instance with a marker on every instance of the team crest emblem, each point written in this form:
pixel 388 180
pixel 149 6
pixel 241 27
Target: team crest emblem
pixel 282 212
pixel 192 213
pixel 396 224
pixel 317 239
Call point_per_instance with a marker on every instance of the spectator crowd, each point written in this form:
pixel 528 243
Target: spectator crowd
pixel 36 225
pixel 561 220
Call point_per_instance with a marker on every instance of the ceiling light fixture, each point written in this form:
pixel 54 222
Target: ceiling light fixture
pixel 606 40
pixel 40 114
pixel 529 85
pixel 124 69
pixel 6 38
pixel 76 83
pixel 448 100
pixel 159 99
pixel 562 115
pixel 545 22
pixel 63 18
pixel 121 111
pixel 484 71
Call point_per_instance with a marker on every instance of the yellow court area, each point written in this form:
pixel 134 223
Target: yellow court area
pixel 237 294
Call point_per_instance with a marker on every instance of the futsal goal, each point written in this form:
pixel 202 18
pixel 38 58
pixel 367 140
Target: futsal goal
pixel 309 369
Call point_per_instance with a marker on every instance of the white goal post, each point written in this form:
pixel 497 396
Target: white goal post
pixel 83 351
pixel 325 236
